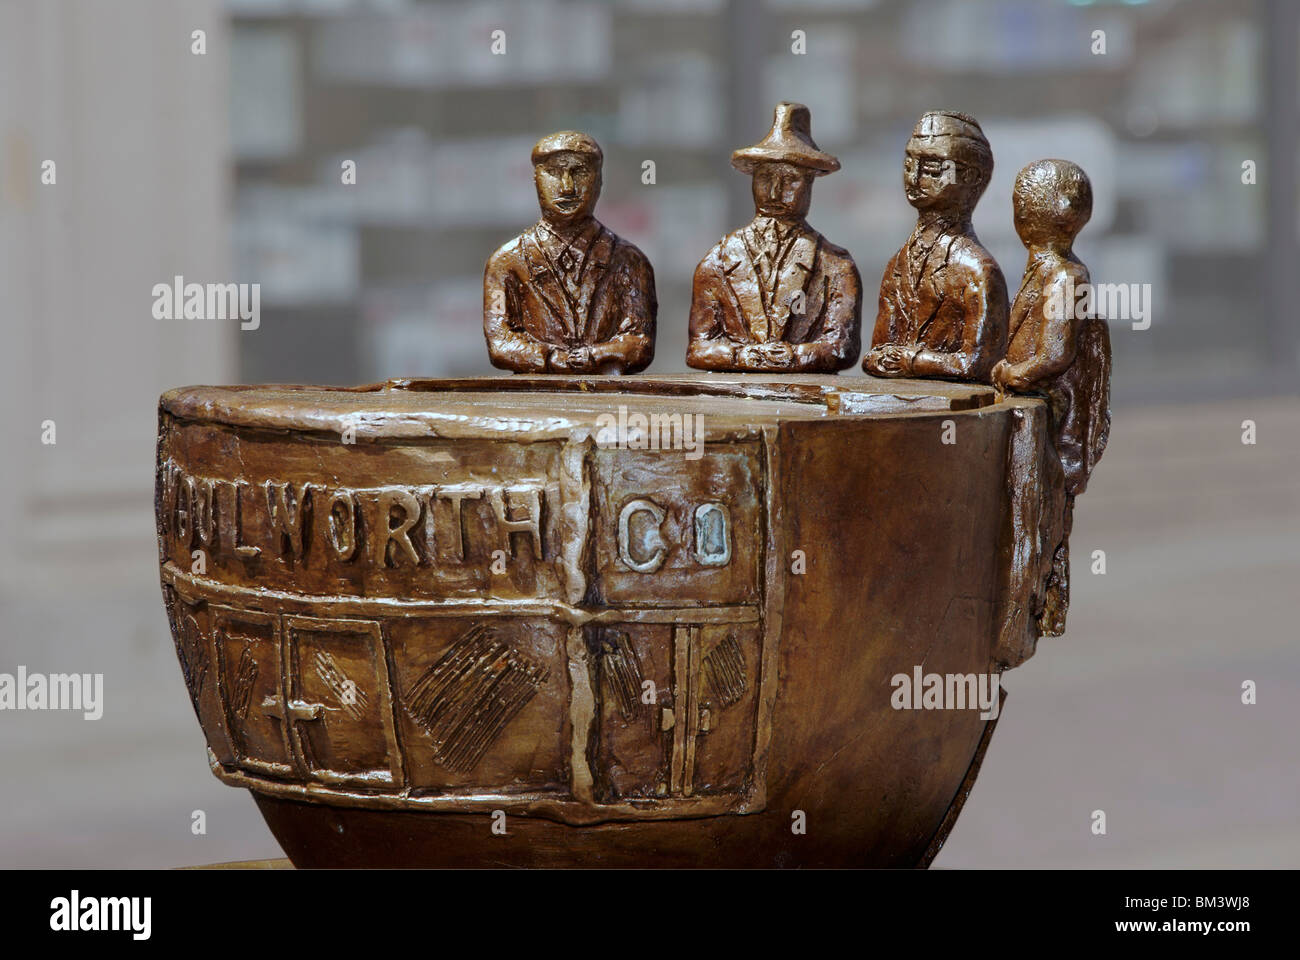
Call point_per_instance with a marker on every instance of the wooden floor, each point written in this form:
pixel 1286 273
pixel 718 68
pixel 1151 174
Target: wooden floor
pixel 1136 711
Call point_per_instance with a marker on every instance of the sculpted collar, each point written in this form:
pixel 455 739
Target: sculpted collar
pixel 777 230
pixel 567 250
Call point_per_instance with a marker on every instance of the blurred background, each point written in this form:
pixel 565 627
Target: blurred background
pixel 226 165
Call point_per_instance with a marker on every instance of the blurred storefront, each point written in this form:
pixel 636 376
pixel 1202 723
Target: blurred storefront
pixel 1161 101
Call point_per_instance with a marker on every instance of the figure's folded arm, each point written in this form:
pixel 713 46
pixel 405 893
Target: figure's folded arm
pixel 632 351
pixel 840 340
pixel 984 337
pixel 1058 335
pixel 884 332
pixel 633 346
pixel 510 347
pixel 709 347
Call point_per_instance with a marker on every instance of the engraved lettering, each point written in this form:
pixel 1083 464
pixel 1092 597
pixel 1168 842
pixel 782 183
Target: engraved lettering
pixel 287 508
pixel 652 561
pixel 201 509
pixel 342 524
pixel 530 523
pixel 391 502
pixel 241 549
pixel 456 497
pixel 184 528
pixel 712 535
pixel 211 513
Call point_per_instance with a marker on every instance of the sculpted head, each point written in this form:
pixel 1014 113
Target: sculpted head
pixel 784 164
pixel 948 164
pixel 1051 202
pixel 567 171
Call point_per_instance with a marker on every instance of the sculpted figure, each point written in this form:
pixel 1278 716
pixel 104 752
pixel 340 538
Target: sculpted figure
pixel 1057 350
pixel 943 300
pixel 567 295
pixel 776 295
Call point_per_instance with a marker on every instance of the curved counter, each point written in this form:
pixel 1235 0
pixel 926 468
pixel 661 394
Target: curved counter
pixel 590 621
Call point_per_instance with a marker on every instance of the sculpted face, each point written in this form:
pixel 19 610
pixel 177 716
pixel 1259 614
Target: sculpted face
pixel 568 185
pixel 782 190
pixel 935 181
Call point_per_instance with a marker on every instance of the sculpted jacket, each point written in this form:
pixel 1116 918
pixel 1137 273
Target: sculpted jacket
pixel 944 292
pixel 1067 360
pixel 594 290
pixel 776 282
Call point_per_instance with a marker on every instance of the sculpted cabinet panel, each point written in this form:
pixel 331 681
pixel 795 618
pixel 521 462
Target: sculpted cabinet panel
pixel 671 530
pixel 482 703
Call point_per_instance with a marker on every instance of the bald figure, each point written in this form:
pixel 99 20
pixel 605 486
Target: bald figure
pixel 943 300
pixel 567 295
pixel 1057 350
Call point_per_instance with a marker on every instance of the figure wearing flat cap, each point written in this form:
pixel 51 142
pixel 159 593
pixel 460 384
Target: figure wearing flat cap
pixel 567 295
pixel 776 295
pixel 943 299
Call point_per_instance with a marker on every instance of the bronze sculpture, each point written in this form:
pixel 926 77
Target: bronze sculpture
pixel 775 295
pixel 1057 348
pixel 475 615
pixel 568 295
pixel 943 299
pixel 467 623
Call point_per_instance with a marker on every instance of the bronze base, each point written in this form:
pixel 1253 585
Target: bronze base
pixel 392 700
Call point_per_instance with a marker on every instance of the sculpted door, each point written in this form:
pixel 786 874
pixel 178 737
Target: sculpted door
pixel 248 652
pixel 339 710
pixel 677 709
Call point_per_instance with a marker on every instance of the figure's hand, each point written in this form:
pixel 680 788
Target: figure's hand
pixel 777 353
pixel 871 362
pixel 750 355
pixel 565 360
pixel 1009 377
pixel 891 360
pixel 999 374
pixel 760 356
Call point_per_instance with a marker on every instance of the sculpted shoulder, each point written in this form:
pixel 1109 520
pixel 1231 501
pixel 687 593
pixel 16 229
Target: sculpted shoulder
pixel 1076 271
pixel 970 257
pixel 629 255
pixel 835 259
pixel 508 254
pixel 712 261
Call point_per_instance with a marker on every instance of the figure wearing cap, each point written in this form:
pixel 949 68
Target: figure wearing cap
pixel 568 295
pixel 943 299
pixel 776 295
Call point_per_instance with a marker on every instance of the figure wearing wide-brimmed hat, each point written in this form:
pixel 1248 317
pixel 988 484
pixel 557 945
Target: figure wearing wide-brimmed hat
pixel 568 295
pixel 776 295
pixel 943 299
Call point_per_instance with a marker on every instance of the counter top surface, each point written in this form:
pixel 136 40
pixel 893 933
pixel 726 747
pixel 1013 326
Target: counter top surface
pixel 547 404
